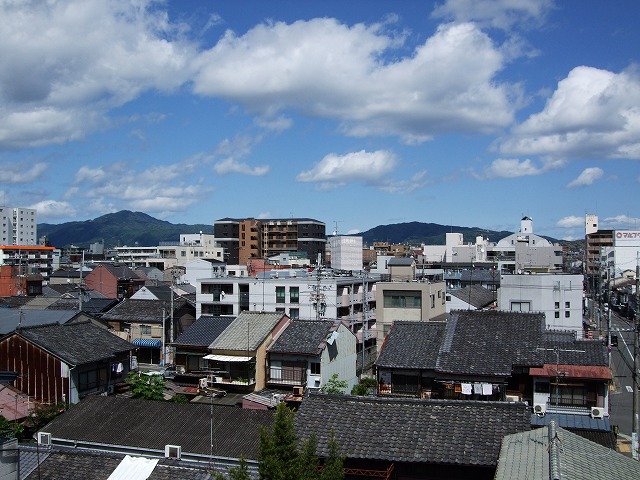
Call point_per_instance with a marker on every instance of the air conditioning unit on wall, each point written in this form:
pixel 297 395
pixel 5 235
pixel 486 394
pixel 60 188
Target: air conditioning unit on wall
pixel 173 451
pixel 539 408
pixel 44 438
pixel 597 412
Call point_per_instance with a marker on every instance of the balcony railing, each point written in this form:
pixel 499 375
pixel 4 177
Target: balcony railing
pixel 288 375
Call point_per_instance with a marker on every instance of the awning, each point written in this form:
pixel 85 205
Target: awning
pixel 227 358
pixel 147 342
pixel 572 371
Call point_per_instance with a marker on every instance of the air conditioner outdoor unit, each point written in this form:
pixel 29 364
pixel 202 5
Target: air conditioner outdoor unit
pixel 596 412
pixel 298 391
pixel 539 408
pixel 202 383
pixel 44 438
pixel 512 398
pixel 173 451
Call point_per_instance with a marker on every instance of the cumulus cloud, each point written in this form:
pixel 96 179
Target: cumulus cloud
pixel 620 221
pixel 52 209
pixel 501 14
pixel 64 64
pixel 230 165
pixel 587 177
pixel 513 167
pixel 336 170
pixel 593 113
pixel 325 69
pixel 570 222
pixel 22 172
pixel 416 182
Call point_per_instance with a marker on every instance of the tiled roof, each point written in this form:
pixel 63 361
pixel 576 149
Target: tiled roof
pixel 411 430
pixel 76 343
pixel 147 311
pixel 491 342
pixel 412 345
pixel 303 337
pixel 10 318
pixel 247 331
pixel 565 349
pixel 149 424
pixel 82 465
pixel 531 455
pixel 120 271
pixel 474 295
pixel 203 331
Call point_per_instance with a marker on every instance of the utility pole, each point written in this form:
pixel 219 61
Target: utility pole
pixel 636 366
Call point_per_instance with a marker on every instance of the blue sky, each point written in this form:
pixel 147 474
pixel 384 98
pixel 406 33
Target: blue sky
pixel 358 113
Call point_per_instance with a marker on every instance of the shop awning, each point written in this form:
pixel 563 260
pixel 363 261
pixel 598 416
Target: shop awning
pixel 147 342
pixel 227 358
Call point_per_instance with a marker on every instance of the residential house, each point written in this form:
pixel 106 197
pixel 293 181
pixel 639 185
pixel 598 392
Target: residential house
pixel 492 355
pixel 308 353
pixel 142 322
pixel 411 438
pixel 150 275
pixel 201 268
pixel 193 344
pixel 238 356
pixel 113 280
pixel 471 297
pixel 553 452
pixel 200 433
pixel 64 363
pixel 14 318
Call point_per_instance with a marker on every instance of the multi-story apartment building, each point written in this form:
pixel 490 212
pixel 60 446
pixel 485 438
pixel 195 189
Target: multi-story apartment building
pixel 300 295
pixel 18 226
pixel 244 239
pixel 595 241
pixel 25 263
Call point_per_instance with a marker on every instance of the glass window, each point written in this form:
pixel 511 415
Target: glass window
pixel 280 295
pixel 294 313
pixel 557 305
pixel 145 329
pixel 567 304
pixel 315 368
pixel 294 294
pixel 557 314
pixel 567 314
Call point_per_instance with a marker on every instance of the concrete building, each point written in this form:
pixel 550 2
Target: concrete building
pixel 346 252
pixel 29 259
pixel 558 296
pixel 244 239
pixel 18 226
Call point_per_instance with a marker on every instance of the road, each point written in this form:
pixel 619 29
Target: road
pixel 621 396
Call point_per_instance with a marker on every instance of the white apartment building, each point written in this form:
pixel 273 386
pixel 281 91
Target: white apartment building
pixel 558 296
pixel 623 256
pixel 18 226
pixel 346 253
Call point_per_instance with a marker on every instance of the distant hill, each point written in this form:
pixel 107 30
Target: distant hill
pixel 137 228
pixel 120 228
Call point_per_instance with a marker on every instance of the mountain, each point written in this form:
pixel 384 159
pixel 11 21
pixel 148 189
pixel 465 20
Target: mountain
pixel 137 228
pixel 120 228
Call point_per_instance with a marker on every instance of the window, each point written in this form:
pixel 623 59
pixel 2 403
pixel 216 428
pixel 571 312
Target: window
pixel 315 368
pixel 557 305
pixel 294 313
pixel 401 299
pixel 567 314
pixel 433 301
pixel 145 329
pixel 280 295
pixel 294 294
pixel 557 314
pixel 520 306
pixel 567 304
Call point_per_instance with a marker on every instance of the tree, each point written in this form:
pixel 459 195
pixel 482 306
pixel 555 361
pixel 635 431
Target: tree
pixel 13 429
pixel 334 463
pixel 308 461
pixel 278 453
pixel 366 386
pixel 147 387
pixel 334 385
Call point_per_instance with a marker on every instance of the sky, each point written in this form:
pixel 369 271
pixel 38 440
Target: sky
pixel 361 113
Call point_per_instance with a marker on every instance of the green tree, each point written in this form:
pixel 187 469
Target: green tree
pixel 366 386
pixel 334 463
pixel 43 414
pixel 335 385
pixel 180 398
pixel 147 387
pixel 240 472
pixel 278 453
pixel 13 429
pixel 308 461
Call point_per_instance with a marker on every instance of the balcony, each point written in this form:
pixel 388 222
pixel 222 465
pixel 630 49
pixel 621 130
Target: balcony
pixel 288 375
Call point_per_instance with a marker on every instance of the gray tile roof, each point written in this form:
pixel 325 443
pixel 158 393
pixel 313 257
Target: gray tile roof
pixel 303 337
pixel 147 311
pixel 151 425
pixel 475 295
pixel 491 342
pixel 565 349
pixel 76 343
pixel 11 317
pixel 247 332
pixel 203 331
pixel 530 455
pixel 412 345
pixel 411 430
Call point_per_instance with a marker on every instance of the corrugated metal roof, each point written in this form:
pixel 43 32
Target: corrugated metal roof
pixel 134 468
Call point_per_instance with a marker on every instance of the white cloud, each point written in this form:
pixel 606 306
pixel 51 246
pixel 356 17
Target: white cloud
pixel 89 174
pixel 570 222
pixel 592 114
pixel 502 14
pixel 335 169
pixel 511 168
pixel 64 64
pixel 620 222
pixel 587 177
pixel 416 182
pixel 52 209
pixel 229 165
pixel 22 172
pixel 326 69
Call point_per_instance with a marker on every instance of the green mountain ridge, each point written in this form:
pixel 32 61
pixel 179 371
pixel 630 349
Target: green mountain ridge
pixel 139 229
